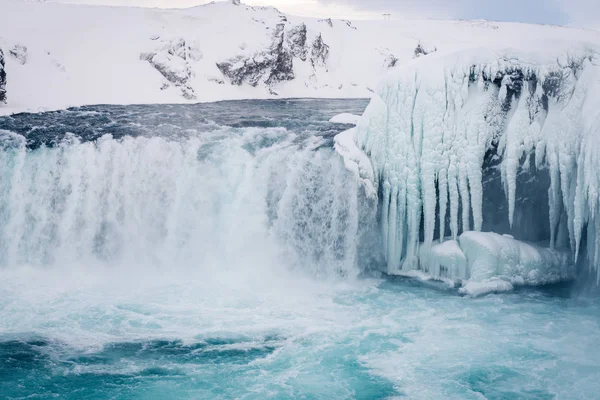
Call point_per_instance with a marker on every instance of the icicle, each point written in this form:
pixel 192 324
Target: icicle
pixel 440 121
pixel 443 201
pixel 465 199
pixel 453 189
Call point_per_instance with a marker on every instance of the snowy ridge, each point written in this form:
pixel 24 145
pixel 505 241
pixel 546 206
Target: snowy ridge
pixel 60 55
pixel 437 124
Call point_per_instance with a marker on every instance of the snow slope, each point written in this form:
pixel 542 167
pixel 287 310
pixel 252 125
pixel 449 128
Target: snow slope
pixel 60 55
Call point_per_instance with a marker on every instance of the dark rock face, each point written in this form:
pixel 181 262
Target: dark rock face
pixel 297 41
pixel 2 79
pixel 283 65
pixel 319 52
pixel 276 63
pixel 240 69
pixel 173 63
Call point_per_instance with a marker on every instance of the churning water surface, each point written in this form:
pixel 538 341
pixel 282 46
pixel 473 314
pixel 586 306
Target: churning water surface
pixel 222 251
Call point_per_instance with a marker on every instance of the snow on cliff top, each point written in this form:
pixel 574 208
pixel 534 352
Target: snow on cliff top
pixel 60 55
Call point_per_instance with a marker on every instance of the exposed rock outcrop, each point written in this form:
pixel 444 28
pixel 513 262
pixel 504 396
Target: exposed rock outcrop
pixel 423 50
pixel 173 60
pixel 297 41
pixel 390 61
pixel 2 79
pixel 19 53
pixel 283 66
pixel 319 52
pixel 276 63
pixel 328 21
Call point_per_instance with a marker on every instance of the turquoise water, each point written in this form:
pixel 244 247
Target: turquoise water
pixel 223 251
pixel 367 339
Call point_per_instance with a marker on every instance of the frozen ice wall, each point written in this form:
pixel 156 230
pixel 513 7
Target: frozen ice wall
pixel 504 141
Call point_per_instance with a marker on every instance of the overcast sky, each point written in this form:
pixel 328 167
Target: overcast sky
pixel 581 13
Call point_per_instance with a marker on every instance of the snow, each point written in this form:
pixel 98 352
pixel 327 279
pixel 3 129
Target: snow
pixel 432 121
pixel 494 285
pixel 345 118
pixel 77 54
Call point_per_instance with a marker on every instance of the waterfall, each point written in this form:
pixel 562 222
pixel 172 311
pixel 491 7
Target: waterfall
pixel 224 198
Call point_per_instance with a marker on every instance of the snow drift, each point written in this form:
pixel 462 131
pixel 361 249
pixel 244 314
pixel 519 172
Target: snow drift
pixel 449 135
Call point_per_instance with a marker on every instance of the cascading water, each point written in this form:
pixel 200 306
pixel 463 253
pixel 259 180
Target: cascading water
pixel 216 199
pixel 147 252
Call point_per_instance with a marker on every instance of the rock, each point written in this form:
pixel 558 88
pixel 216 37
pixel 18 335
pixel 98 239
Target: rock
pixel 319 52
pixel 2 79
pixel 423 50
pixel 172 60
pixel 240 69
pixel 216 80
pixel 390 61
pixel 19 52
pixel 349 24
pixel 276 63
pixel 283 67
pixel 272 65
pixel 328 21
pixel 297 41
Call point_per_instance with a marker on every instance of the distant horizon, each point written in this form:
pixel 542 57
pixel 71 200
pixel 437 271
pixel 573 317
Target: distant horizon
pixel 568 13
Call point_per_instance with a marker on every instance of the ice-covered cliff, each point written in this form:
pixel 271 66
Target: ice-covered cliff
pixel 486 139
pixel 61 55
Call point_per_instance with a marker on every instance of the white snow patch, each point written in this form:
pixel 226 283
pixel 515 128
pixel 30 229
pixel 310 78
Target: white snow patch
pixel 345 118
pixel 477 289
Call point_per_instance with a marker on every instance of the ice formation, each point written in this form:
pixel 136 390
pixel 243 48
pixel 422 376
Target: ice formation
pixel 440 127
pixel 491 262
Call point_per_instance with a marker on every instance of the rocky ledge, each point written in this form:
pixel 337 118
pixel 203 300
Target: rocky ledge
pixel 276 63
pixel 2 79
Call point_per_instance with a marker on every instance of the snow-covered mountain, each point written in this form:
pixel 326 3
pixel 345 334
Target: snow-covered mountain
pixel 60 55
